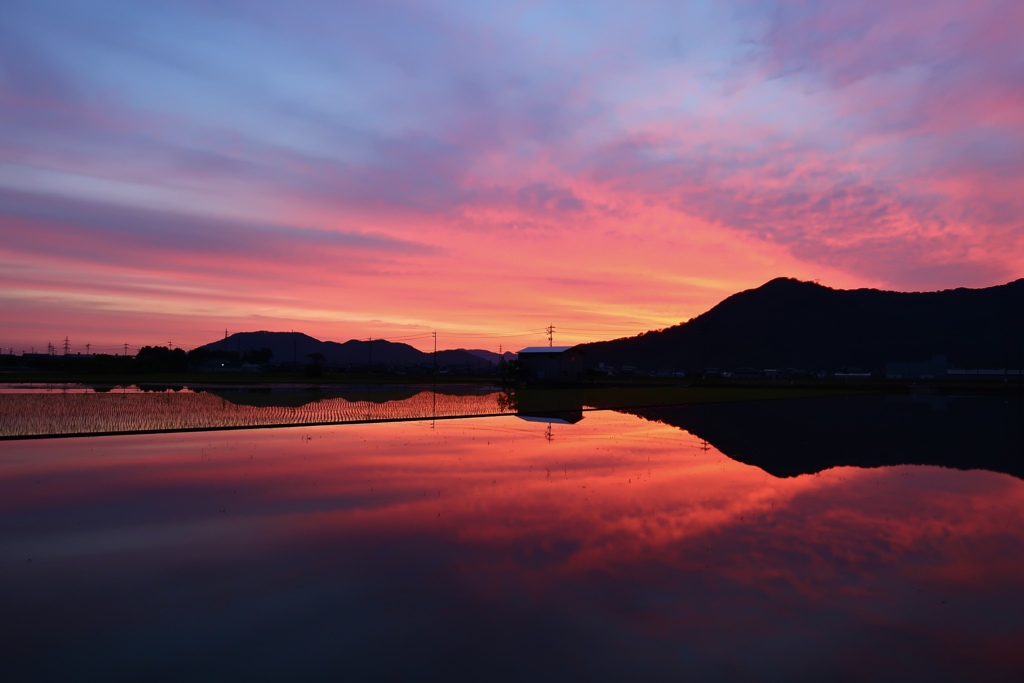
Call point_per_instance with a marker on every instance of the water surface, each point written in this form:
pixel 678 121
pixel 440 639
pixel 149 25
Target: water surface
pixel 615 548
pixel 64 410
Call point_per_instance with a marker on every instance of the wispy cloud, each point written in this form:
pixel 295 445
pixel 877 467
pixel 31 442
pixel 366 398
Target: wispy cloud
pixel 341 145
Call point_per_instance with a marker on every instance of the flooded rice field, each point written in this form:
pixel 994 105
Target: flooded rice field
pixel 31 411
pixel 601 545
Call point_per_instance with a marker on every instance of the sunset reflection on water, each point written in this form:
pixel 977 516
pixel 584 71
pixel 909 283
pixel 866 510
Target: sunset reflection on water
pixel 611 548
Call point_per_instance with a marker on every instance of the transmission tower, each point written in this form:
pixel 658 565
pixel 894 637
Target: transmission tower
pixel 67 345
pixel 551 335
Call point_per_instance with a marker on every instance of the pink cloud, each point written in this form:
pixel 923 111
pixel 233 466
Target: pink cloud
pixel 611 182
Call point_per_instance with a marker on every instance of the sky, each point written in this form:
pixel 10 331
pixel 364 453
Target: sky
pixel 171 171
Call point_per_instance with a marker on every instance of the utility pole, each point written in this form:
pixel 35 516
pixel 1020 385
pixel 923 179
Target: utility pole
pixel 126 348
pixel 551 335
pixel 87 346
pixel 435 349
pixel 225 333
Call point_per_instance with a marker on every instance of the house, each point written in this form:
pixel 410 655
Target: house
pixel 558 418
pixel 936 367
pixel 552 364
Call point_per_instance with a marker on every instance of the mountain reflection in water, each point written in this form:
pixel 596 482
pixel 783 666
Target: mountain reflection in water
pixel 62 413
pixel 808 435
pixel 496 549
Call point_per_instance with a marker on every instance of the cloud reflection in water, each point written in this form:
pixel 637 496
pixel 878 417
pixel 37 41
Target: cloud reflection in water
pixel 479 549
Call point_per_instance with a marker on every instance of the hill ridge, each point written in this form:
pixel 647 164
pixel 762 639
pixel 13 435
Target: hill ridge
pixel 298 348
pixel 794 323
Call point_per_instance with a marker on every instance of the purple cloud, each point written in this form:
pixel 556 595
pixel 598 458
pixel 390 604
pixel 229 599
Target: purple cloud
pixel 882 141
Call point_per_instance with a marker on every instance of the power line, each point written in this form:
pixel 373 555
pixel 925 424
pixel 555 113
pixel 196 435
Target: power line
pixel 410 337
pixel 453 338
pixel 595 331
pixel 495 335
pixel 470 335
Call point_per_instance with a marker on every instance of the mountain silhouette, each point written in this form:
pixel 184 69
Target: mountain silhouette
pixel 296 398
pixel 491 356
pixel 788 323
pixel 296 348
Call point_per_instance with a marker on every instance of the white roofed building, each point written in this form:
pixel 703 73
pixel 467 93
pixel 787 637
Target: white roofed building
pixel 552 363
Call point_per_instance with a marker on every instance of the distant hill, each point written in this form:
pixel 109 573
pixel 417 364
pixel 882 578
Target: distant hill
pixel 794 324
pixel 289 397
pixel 491 356
pixel 296 347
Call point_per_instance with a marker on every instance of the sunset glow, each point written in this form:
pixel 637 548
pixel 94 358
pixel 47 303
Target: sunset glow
pixel 615 529
pixel 355 170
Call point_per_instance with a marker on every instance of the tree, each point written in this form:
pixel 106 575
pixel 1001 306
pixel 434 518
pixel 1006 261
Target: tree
pixel 509 371
pixel 261 356
pixel 161 359
pixel 315 367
